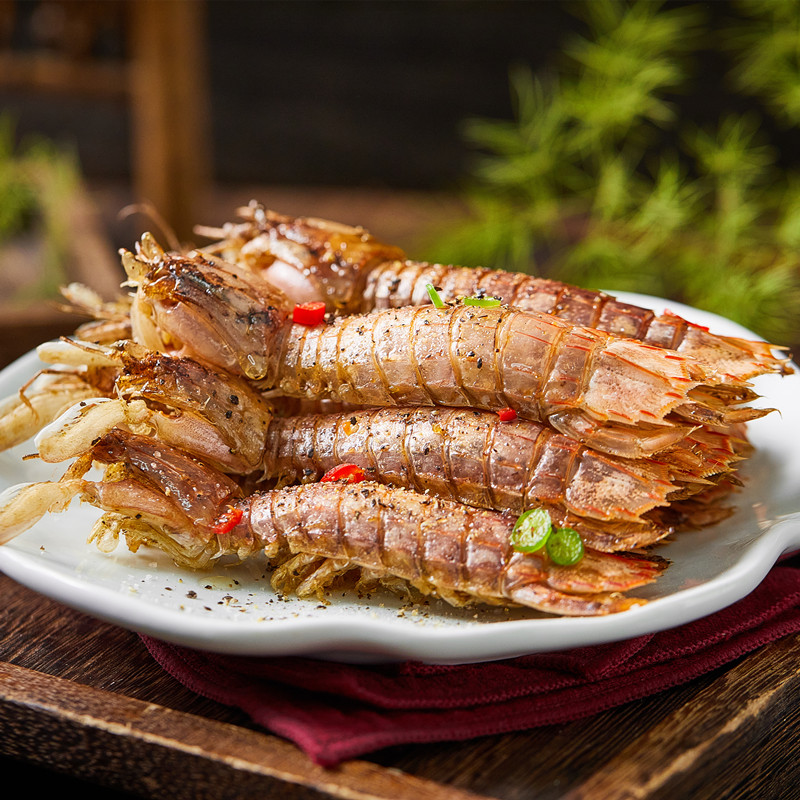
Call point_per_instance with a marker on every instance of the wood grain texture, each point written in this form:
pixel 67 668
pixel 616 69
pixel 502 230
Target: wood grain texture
pixel 731 723
pixel 142 747
pixel 170 116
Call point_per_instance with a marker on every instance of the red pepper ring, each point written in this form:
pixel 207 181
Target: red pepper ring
pixel 309 313
pixel 227 520
pixel 347 473
pixel 507 414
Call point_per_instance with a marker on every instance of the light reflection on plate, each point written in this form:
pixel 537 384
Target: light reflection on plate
pixel 234 610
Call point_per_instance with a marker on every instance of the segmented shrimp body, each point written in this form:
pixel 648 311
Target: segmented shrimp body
pixel 157 496
pixel 464 454
pixel 313 259
pixel 475 458
pixel 617 394
pixel 457 552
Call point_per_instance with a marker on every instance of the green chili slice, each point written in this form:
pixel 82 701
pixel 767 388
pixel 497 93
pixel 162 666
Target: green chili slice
pixel 565 546
pixel 531 531
pixel 483 302
pixel 434 296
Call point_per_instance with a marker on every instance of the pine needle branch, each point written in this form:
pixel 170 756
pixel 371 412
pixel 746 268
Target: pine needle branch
pixel 581 185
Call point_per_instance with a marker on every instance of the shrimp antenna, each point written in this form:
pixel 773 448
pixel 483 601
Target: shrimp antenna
pixel 148 210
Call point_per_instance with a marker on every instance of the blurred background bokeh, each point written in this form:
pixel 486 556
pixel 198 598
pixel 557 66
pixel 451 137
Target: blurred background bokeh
pixel 639 146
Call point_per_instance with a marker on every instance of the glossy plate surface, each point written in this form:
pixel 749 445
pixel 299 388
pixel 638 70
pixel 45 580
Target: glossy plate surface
pixel 234 610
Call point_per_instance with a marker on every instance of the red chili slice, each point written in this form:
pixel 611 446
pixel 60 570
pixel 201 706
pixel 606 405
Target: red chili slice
pixel 309 313
pixel 347 473
pixel 506 414
pixel 227 520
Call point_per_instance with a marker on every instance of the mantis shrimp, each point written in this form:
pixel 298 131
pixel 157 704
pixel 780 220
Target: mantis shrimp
pixel 158 496
pixel 615 394
pixel 353 272
pixel 619 424
pixel 468 455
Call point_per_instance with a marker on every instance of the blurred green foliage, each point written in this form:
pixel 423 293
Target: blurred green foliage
pixel 599 181
pixel 37 180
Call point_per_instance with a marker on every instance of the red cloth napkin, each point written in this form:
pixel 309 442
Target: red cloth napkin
pixel 338 711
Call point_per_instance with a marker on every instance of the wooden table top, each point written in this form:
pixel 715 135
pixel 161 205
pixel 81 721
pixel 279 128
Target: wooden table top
pixel 84 699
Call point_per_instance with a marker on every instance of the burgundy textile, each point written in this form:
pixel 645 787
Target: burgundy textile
pixel 338 711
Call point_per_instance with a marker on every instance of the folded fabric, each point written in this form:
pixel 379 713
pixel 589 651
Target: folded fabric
pixel 336 711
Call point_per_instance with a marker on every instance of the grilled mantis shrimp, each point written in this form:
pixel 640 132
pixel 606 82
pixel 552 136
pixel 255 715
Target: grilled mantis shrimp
pixel 157 496
pixel 625 426
pixel 615 394
pixel 462 454
pixel 475 458
pixel 353 272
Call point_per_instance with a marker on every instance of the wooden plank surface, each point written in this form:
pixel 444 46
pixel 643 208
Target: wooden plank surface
pixel 170 118
pixel 730 722
pixel 141 747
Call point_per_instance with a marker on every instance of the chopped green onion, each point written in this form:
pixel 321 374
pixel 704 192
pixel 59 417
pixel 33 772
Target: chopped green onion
pixel 434 295
pixel 565 546
pixel 483 302
pixel 531 531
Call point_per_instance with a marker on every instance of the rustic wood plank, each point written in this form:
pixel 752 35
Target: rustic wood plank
pixel 141 747
pixel 720 734
pixel 542 763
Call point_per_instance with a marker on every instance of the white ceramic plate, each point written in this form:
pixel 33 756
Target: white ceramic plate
pixel 234 610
